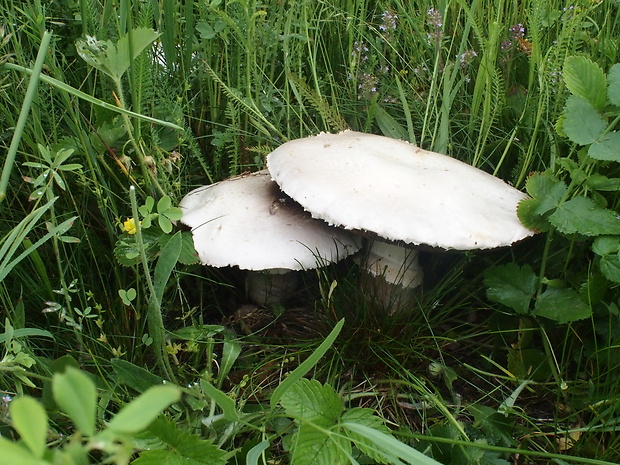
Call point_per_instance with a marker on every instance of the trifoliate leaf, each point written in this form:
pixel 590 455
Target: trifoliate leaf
pixel 582 124
pixel 613 91
pixel 309 400
pixel 581 215
pixel 585 79
pixel 561 305
pixel 607 147
pixel 511 285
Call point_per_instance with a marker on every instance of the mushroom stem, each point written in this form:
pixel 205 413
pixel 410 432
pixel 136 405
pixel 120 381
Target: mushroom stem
pixel 269 287
pixel 396 274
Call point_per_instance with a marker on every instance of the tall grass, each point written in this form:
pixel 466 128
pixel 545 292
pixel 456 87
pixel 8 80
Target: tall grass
pixel 223 84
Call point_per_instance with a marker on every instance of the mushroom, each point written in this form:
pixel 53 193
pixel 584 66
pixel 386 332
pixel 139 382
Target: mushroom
pixel 246 221
pixel 398 194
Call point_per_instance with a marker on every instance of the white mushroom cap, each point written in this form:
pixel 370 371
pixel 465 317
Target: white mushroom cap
pixel 398 191
pixel 248 222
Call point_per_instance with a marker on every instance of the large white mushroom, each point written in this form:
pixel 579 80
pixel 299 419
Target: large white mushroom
pixel 246 221
pixel 400 193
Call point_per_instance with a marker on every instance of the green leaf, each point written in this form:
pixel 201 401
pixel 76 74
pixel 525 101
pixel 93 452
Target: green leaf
pixel 134 376
pixel 581 215
pixel 140 412
pixel 606 148
pixel 511 285
pixel 546 194
pixel 561 305
pixel 309 400
pixel 165 264
pixel 164 204
pixel 390 446
pixel 306 365
pixel 585 79
pixel 25 332
pixel 613 91
pixel 608 249
pixel 226 403
pixel 175 446
pixel 188 255
pixel 30 421
pixel 119 56
pixel 366 417
pixel 76 395
pixel 14 454
pixel 582 124
pixel 311 446
pixel 600 182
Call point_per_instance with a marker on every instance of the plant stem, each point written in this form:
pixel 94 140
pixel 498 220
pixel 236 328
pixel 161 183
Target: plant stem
pixel 154 318
pixel 23 115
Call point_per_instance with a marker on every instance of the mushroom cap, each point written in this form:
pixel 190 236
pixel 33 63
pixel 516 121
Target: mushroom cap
pixel 246 221
pixel 398 191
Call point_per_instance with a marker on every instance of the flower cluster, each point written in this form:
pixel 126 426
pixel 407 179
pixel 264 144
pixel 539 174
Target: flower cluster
pixel 435 21
pixel 388 24
pixel 466 58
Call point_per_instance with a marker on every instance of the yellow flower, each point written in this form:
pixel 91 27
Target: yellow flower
pixel 129 226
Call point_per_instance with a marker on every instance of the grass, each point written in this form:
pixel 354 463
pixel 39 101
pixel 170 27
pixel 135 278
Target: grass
pixel 462 377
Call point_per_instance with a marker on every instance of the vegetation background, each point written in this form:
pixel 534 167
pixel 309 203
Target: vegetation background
pixel 510 356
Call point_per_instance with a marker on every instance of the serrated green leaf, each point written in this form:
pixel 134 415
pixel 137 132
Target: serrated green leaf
pixel 76 394
pixel 610 267
pixel 546 189
pixel 174 445
pixel 561 305
pixel 613 91
pixel 608 249
pixel 546 194
pixel 365 416
pixel 582 123
pixel 140 412
pixel 581 215
pixel 309 400
pixel 30 421
pixel 126 249
pixel 600 182
pixel 188 255
pixel 511 285
pixel 314 447
pixel 585 79
pixel 606 148
pixel 527 213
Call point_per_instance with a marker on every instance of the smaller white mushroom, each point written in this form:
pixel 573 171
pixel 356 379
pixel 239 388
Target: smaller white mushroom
pixel 395 191
pixel 246 221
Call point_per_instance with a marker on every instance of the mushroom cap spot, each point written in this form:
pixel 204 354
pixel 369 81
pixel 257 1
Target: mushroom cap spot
pixel 398 191
pixel 246 221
